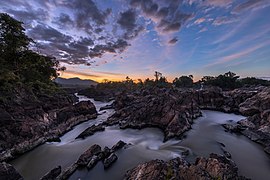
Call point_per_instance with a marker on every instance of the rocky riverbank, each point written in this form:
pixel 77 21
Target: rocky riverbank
pixel 28 120
pixel 214 167
pixel 173 110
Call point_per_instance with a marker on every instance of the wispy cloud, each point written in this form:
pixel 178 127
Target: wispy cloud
pixel 235 56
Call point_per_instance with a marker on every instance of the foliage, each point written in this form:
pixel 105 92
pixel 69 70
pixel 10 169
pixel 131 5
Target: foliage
pixel 226 81
pixel 249 81
pixel 183 81
pixel 18 64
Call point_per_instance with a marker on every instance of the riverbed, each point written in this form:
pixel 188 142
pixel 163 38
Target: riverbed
pixel 206 136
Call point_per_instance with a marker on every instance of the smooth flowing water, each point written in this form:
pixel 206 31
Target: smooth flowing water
pixel 145 145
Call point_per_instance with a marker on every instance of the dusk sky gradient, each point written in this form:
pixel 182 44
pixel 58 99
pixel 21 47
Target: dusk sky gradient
pixel 112 39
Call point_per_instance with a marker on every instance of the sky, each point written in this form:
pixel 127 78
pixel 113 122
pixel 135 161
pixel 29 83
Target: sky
pixel 112 39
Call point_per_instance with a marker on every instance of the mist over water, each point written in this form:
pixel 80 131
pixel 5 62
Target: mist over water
pixel 145 145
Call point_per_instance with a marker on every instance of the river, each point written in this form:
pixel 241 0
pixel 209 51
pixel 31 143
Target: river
pixel 204 138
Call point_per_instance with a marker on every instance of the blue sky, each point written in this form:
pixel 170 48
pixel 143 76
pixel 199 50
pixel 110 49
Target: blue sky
pixel 112 39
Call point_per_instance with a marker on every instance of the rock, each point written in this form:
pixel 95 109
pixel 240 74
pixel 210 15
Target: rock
pixel 85 158
pixel 215 167
pixel 28 120
pixel 236 128
pixel 106 107
pixel 52 174
pixel 170 110
pixel 54 139
pixel 93 162
pixel 8 172
pixel 67 172
pixel 85 107
pixel 109 160
pixel 267 149
pixel 106 152
pixel 91 130
pixel 120 144
pixel 226 153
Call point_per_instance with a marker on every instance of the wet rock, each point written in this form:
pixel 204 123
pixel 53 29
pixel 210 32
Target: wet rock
pixel 236 128
pixel 54 139
pixel 91 130
pixel 8 172
pixel 226 153
pixel 109 160
pixel 93 162
pixel 88 154
pixel 214 167
pixel 67 172
pixel 120 144
pixel 52 174
pixel 106 152
pixel 85 107
pixel 110 106
pixel 267 149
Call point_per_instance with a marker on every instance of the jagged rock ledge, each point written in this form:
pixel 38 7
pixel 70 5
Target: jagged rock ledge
pixel 170 110
pixel 40 127
pixel 214 167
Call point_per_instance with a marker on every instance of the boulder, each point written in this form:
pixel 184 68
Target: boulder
pixel 91 130
pixel 52 174
pixel 109 160
pixel 120 144
pixel 93 161
pixel 85 158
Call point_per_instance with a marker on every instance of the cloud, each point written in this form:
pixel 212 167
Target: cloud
pixel 29 15
pixel 111 47
pixel 127 21
pixel 89 75
pixel 203 30
pixel 173 41
pixel 85 10
pixel 199 21
pixel 250 4
pixel 168 18
pixel 64 20
pixel 232 57
pixel 218 3
pixel 224 20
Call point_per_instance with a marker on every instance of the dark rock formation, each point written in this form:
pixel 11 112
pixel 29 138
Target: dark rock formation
pixel 91 130
pixel 109 160
pixel 257 125
pixel 171 110
pixel 109 106
pixel 215 167
pixel 93 161
pixel 253 102
pixel 52 174
pixel 28 121
pixel 83 161
pixel 8 172
pixel 85 158
pixel 119 145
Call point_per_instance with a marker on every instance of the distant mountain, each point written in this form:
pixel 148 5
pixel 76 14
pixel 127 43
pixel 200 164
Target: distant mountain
pixel 75 82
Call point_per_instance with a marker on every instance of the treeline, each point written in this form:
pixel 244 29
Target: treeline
pixel 227 81
pixel 18 64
